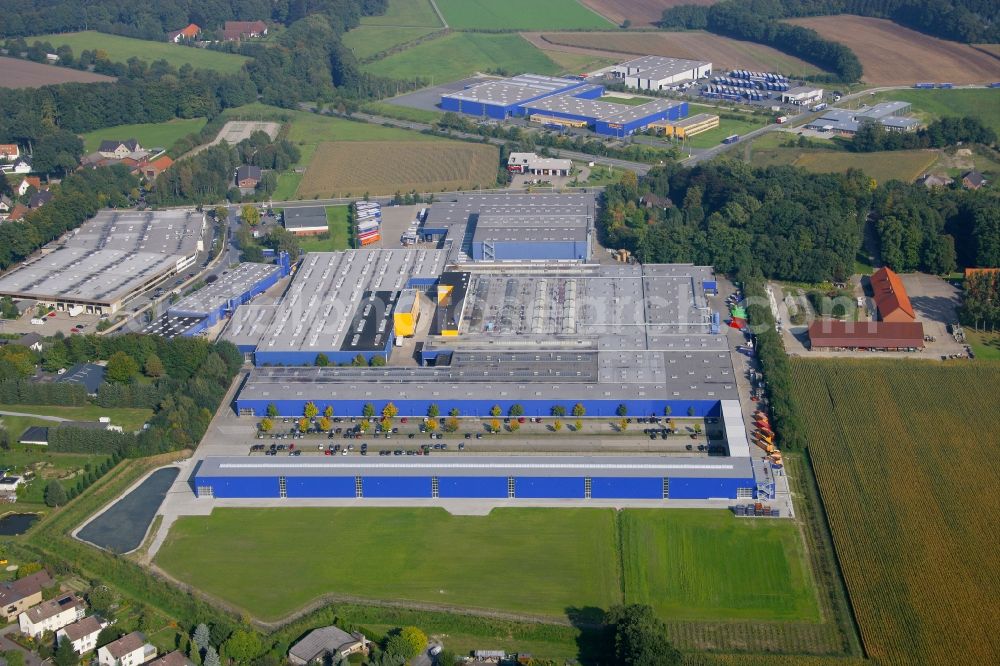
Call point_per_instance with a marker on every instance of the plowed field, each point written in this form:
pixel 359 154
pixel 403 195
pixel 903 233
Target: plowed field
pixel 642 13
pixel 16 73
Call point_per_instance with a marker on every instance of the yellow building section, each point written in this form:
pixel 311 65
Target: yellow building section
pixel 549 120
pixel 688 127
pixel 406 314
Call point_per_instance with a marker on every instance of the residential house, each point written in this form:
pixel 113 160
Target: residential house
pixel 82 634
pixel 18 213
pixel 29 181
pixel 973 180
pixel 39 199
pixel 247 177
pixel 656 201
pixel 190 32
pixel 21 166
pixel 325 642
pixel 150 169
pixel 8 488
pixel 236 30
pixel 51 615
pixel 930 181
pixel 129 650
pixel 175 658
pixel 118 149
pixel 17 596
pixel 6 205
pixel 9 151
pixel 32 341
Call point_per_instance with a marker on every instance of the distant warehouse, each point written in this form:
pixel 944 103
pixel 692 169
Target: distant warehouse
pixel 847 122
pixel 658 73
pixel 305 220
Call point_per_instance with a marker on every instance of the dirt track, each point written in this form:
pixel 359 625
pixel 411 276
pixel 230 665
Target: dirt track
pixel 15 73
pixel 642 13
pixel 894 55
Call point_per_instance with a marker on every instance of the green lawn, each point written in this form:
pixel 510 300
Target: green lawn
pixel 461 54
pixel 627 101
pixel 287 184
pixel 931 104
pixel 726 127
pixel 984 345
pixel 406 13
pixel 578 63
pixel 339 236
pixel 120 49
pixel 528 560
pixel 307 130
pixel 689 564
pixel 402 112
pixel 520 15
pixel 150 135
pixel 709 565
pixel 129 418
pixel 368 40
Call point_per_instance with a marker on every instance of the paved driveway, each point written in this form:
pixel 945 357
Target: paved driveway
pixel 30 658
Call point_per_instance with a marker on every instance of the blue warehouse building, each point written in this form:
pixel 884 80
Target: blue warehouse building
pixel 480 477
pixel 560 103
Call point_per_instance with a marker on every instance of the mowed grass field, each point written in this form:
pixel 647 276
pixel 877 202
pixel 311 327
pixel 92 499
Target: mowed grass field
pixel 905 165
pixel 120 49
pixel 369 40
pixel 526 560
pixel 520 15
pixel 688 565
pixel 929 105
pixel 386 167
pixel 461 54
pixel 727 127
pixel 904 453
pixel 891 54
pixel 338 236
pixel 406 13
pixel 723 52
pixel 149 135
pixel 129 418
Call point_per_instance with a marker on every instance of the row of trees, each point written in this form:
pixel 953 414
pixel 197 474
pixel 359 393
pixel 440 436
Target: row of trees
pixel 948 131
pixel 981 305
pixel 757 21
pixel 78 197
pixel 791 224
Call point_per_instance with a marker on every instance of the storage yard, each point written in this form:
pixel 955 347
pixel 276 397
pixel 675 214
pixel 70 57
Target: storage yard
pixel 110 259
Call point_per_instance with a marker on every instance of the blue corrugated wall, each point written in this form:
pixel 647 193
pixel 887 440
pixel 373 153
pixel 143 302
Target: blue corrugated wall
pixel 626 488
pixel 396 486
pixel 241 486
pixel 472 486
pixel 481 408
pixel 704 488
pixel 319 486
pixel 548 487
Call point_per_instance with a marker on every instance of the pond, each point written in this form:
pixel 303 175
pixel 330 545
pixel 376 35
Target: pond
pixel 17 523
pixel 122 527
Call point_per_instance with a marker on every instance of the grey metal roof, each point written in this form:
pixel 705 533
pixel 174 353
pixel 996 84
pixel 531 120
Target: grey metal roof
pixel 304 217
pixel 233 284
pixel 109 257
pixel 477 465
pixel 170 326
pixel 90 375
pixel 657 68
pixel 883 109
pixel 322 641
pixel 598 110
pixel 508 92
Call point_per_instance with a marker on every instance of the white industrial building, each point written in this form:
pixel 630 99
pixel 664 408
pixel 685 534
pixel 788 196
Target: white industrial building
pixel 802 95
pixel 658 73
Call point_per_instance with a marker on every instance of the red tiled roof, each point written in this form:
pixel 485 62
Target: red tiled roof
pixel 19 211
pixel 34 181
pixel 890 294
pixel 866 335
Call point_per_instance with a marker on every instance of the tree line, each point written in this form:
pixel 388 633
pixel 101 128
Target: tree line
pixel 758 21
pixel 969 21
pixel 785 222
pixel 944 132
pixel 980 307
pixel 77 198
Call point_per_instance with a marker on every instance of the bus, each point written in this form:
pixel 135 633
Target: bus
pixel 731 139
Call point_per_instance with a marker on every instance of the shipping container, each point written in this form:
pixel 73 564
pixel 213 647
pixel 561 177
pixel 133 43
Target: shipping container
pixel 370 240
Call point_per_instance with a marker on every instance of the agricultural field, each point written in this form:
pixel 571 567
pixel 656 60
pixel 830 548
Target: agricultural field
pixel 413 554
pixel 369 40
pixel 462 54
pixel 520 15
pixel 642 13
pixel 149 135
pixel 16 73
pixel 928 105
pixel 120 49
pixel 723 52
pixel 338 238
pixel 386 167
pixel 406 13
pixel 892 55
pixel 577 63
pixel 908 489
pixel 683 564
pixel 727 127
pixel 770 150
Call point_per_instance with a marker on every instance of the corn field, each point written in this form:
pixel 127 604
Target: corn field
pixel 905 454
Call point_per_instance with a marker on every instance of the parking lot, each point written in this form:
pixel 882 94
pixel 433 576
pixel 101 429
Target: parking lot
pixel 428 98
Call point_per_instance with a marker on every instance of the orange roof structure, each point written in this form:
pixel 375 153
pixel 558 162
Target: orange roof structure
pixel 19 211
pixel 837 334
pixel 890 296
pixel 34 181
pixel 190 32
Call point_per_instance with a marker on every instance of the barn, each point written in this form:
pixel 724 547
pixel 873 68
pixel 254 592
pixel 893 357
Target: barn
pixel 516 477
